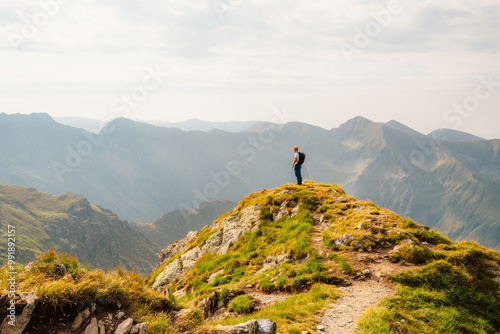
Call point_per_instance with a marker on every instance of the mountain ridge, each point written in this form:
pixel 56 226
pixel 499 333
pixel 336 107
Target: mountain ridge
pixel 142 171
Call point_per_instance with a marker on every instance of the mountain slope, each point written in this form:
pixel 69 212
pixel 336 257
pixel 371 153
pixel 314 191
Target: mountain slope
pixel 453 136
pixel 69 223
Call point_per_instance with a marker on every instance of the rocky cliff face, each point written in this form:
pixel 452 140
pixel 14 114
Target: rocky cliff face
pixel 223 235
pixel 69 223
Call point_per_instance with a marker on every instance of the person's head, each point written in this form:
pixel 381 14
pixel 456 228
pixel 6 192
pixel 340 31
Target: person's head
pixel 295 149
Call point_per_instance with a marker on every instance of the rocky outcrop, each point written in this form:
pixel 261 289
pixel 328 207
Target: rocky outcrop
pixel 225 234
pixel 287 209
pixel 17 323
pixel 141 328
pixel 125 327
pixel 93 327
pixel 259 326
pixel 272 262
pixel 176 247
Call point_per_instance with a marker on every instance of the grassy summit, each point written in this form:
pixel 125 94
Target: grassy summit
pixel 299 246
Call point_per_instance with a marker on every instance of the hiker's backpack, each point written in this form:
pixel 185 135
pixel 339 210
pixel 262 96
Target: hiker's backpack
pixel 302 157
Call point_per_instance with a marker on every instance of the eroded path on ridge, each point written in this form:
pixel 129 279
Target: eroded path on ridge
pixel 363 291
pixel 342 317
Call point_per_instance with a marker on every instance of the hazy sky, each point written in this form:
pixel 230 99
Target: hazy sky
pixel 428 64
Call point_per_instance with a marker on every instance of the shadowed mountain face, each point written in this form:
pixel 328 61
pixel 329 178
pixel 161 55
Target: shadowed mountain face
pixel 141 171
pixel 69 223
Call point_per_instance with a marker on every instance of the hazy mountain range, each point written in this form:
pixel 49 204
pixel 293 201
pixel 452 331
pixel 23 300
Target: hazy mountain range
pixel 449 181
pixel 95 125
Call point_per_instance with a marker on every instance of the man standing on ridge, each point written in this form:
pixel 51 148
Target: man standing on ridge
pixel 297 164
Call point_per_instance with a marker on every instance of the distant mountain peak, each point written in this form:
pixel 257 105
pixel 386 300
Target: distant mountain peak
pixel 356 123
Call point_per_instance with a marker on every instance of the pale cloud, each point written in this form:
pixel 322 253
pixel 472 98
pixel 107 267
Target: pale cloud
pixel 263 54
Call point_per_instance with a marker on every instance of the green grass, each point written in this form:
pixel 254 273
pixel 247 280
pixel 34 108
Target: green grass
pixel 456 294
pixel 412 254
pixel 241 304
pixel 296 313
pixel 343 264
pixel 57 291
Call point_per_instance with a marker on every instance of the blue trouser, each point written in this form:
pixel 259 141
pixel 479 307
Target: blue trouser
pixel 297 174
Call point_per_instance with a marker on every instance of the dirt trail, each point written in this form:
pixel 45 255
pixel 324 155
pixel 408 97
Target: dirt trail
pixel 363 291
pixel 342 317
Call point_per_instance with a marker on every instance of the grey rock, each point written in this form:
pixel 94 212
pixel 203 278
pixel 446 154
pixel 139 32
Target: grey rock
pixel 29 266
pixel 303 260
pixel 176 247
pixel 272 262
pixel 260 326
pixel 61 269
pixel 286 209
pixel 143 327
pixel 395 249
pixel 266 326
pixel 85 314
pixel 321 328
pixel 409 242
pixel 22 319
pixel 343 239
pixel 179 293
pixel 208 306
pixel 120 315
pixel 212 277
pixel 228 232
pixel 284 192
pixel 181 312
pixel 102 327
pixel 213 242
pixel 220 313
pixel 77 322
pixel 139 328
pixel 92 328
pixel 125 326
pixel 168 274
